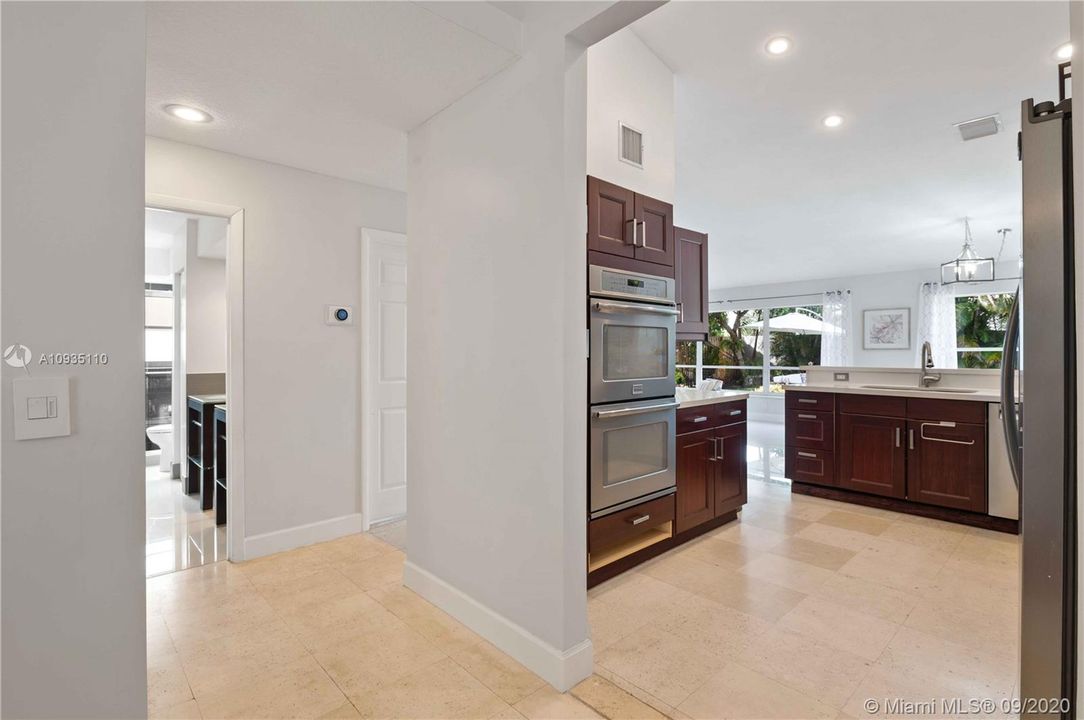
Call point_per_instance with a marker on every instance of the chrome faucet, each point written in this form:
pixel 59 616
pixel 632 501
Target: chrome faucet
pixel 928 378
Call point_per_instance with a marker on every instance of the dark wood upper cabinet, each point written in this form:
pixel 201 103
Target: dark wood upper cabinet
pixel 610 217
pixel 691 265
pixel 730 473
pixel 655 234
pixel 872 455
pixel 695 479
pixel 624 224
pixel 947 464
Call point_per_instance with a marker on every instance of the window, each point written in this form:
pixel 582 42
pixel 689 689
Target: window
pixel 795 343
pixel 980 329
pixel 734 352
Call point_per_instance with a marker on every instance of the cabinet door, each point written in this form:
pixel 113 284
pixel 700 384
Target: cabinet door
pixel 947 464
pixel 610 215
pixel 655 234
pixel 730 470
pixel 691 263
pixel 695 479
pixel 872 456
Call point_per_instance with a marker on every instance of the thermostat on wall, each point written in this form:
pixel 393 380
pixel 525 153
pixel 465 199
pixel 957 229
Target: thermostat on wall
pixel 339 315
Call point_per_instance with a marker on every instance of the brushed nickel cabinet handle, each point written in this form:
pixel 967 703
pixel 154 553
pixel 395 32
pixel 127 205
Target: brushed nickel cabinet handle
pixel 807 400
pixel 735 412
pixel 633 221
pixel 641 519
pixel 722 448
pixel 681 312
pixel 911 438
pixel 714 450
pixel 700 418
pixel 897 437
pixel 807 455
pixel 943 423
pixel 802 416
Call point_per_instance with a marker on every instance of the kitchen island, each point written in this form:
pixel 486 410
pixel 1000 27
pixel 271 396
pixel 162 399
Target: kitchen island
pixel 710 487
pixel 881 438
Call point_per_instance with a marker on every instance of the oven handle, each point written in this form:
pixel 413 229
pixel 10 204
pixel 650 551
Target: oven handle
pixel 611 306
pixel 635 410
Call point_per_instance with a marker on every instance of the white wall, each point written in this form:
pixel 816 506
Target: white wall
pixel 301 376
pixel 205 301
pixel 626 82
pixel 497 485
pixel 868 292
pixel 73 620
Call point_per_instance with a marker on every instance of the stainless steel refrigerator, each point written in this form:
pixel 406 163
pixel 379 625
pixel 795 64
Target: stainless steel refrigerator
pixel 1039 406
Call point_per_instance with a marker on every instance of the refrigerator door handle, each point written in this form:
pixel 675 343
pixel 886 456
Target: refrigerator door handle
pixel 1009 409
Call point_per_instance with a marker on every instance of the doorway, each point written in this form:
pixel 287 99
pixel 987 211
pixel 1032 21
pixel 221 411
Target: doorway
pixel 383 369
pixel 193 360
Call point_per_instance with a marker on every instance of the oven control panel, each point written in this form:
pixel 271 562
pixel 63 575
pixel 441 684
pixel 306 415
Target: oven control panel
pixel 614 283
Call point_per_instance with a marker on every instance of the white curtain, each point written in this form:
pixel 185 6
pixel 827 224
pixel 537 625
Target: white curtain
pixel 836 336
pixel 937 324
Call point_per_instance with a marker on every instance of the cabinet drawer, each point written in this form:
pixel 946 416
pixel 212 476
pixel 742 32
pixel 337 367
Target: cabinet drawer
pixel 811 466
pixel 697 418
pixel 879 405
pixel 702 417
pixel 627 524
pixel 955 410
pixel 822 402
pixel 807 429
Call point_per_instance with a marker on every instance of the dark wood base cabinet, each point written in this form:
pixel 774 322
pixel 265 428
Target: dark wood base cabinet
pixel 909 450
pixel 711 468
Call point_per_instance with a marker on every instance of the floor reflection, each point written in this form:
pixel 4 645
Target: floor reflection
pixel 179 534
pixel 764 452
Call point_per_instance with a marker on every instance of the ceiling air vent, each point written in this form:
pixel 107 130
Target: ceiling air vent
pixel 632 146
pixel 979 127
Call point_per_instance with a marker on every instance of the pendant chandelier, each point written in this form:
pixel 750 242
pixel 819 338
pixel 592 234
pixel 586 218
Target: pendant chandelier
pixel 967 267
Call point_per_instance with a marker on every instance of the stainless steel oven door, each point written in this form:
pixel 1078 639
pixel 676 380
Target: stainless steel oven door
pixel 632 350
pixel 632 452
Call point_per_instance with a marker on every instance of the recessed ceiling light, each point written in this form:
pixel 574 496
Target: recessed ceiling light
pixel 778 45
pixel 1064 52
pixel 832 121
pixel 186 112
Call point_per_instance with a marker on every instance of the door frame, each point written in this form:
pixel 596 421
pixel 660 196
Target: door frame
pixel 366 340
pixel 235 355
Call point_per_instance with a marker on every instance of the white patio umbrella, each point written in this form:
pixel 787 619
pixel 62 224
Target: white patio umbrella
pixel 801 324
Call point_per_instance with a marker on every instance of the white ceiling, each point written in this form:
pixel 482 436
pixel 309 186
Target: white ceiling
pixel 784 198
pixel 331 87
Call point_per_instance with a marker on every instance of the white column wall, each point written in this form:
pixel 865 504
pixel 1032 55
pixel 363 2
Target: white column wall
pixel 497 474
pixel 73 526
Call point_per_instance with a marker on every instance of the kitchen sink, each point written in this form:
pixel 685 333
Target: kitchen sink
pixel 919 388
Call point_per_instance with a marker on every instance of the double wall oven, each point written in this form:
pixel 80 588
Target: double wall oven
pixel 633 412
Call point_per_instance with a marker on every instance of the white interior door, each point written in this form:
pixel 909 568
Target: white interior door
pixel 384 353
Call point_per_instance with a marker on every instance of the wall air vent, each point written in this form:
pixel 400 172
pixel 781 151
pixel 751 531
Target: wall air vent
pixel 979 127
pixel 632 146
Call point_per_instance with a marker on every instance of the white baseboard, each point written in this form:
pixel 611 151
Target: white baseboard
pixel 295 537
pixel 561 669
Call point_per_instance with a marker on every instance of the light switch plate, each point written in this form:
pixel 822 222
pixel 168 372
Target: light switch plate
pixel 42 407
pixel 842 377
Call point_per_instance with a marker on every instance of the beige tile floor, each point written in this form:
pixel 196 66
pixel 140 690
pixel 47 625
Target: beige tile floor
pixel 806 608
pixel 802 609
pixel 179 534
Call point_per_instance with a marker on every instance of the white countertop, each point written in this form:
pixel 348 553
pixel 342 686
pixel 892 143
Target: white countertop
pixel 979 395
pixel 692 397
